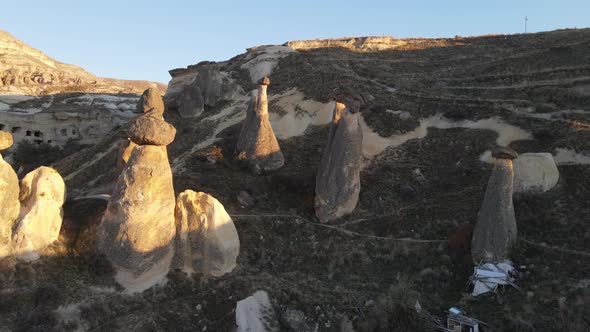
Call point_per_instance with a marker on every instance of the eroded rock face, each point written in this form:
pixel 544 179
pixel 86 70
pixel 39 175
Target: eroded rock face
pixel 9 205
pixel 195 87
pixel 207 240
pixel 338 179
pixel 257 142
pixel 495 230
pixel 42 195
pixel 137 229
pixel 535 173
pixel 151 99
pixel 191 103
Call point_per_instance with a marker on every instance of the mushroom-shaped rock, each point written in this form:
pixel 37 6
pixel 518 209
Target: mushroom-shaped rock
pixel 137 229
pixel 42 195
pixel 9 205
pixel 495 230
pixel 206 238
pixel 257 142
pixel 151 99
pixel 6 140
pixel 151 130
pixel 535 173
pixel 338 178
pixel 255 313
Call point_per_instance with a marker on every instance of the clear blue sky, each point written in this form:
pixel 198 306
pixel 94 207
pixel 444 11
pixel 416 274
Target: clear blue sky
pixel 144 39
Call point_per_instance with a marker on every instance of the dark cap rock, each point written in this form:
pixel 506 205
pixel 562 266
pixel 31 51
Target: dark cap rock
pixel 501 152
pixel 352 102
pixel 264 81
pixel 151 99
pixel 6 140
pixel 151 130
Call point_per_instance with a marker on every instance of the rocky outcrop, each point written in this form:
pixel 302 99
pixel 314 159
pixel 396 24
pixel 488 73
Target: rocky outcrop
pixel 151 129
pixel 137 229
pixel 367 44
pixel 257 143
pixel 535 173
pixel 42 195
pixel 495 230
pixel 9 192
pixel 206 238
pixel 191 102
pixel 256 313
pixel 151 99
pixel 199 86
pixel 338 178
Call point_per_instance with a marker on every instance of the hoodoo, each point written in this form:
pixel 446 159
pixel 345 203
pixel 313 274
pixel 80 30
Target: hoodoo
pixel 257 142
pixel 9 191
pixel 495 230
pixel 338 178
pixel 137 230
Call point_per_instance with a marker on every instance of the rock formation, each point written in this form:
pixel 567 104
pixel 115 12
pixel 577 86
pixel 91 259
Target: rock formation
pixel 255 313
pixel 42 195
pixel 338 178
pixel 151 99
pixel 9 191
pixel 535 173
pixel 206 238
pixel 137 229
pixel 193 88
pixel 495 230
pixel 257 142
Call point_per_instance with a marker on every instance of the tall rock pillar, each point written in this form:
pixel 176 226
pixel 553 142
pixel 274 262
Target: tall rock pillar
pixel 495 230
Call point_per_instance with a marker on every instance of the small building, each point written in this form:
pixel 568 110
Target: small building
pixel 458 322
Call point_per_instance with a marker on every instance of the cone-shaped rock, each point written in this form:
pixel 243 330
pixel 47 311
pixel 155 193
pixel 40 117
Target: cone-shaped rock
pixel 206 238
pixel 495 230
pixel 151 99
pixel 137 230
pixel 9 192
pixel 257 142
pixel 338 178
pixel 42 195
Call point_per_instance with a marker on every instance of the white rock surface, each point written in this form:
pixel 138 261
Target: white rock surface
pixel 9 205
pixel 255 314
pixel 42 194
pixel 207 240
pixel 535 172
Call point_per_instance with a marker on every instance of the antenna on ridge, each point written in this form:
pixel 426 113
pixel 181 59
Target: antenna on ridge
pixel 526 20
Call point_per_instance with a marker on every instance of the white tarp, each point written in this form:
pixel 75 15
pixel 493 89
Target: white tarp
pixel 486 277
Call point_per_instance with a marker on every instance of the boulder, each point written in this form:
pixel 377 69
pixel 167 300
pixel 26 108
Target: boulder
pixel 191 103
pixel 535 173
pixel 495 230
pixel 42 195
pixel 257 142
pixel 151 99
pixel 338 178
pixel 9 205
pixel 151 130
pixel 6 140
pixel 137 230
pixel 256 314
pixel 207 240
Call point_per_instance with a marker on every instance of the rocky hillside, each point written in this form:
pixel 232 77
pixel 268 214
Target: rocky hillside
pixel 25 70
pixel 431 110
